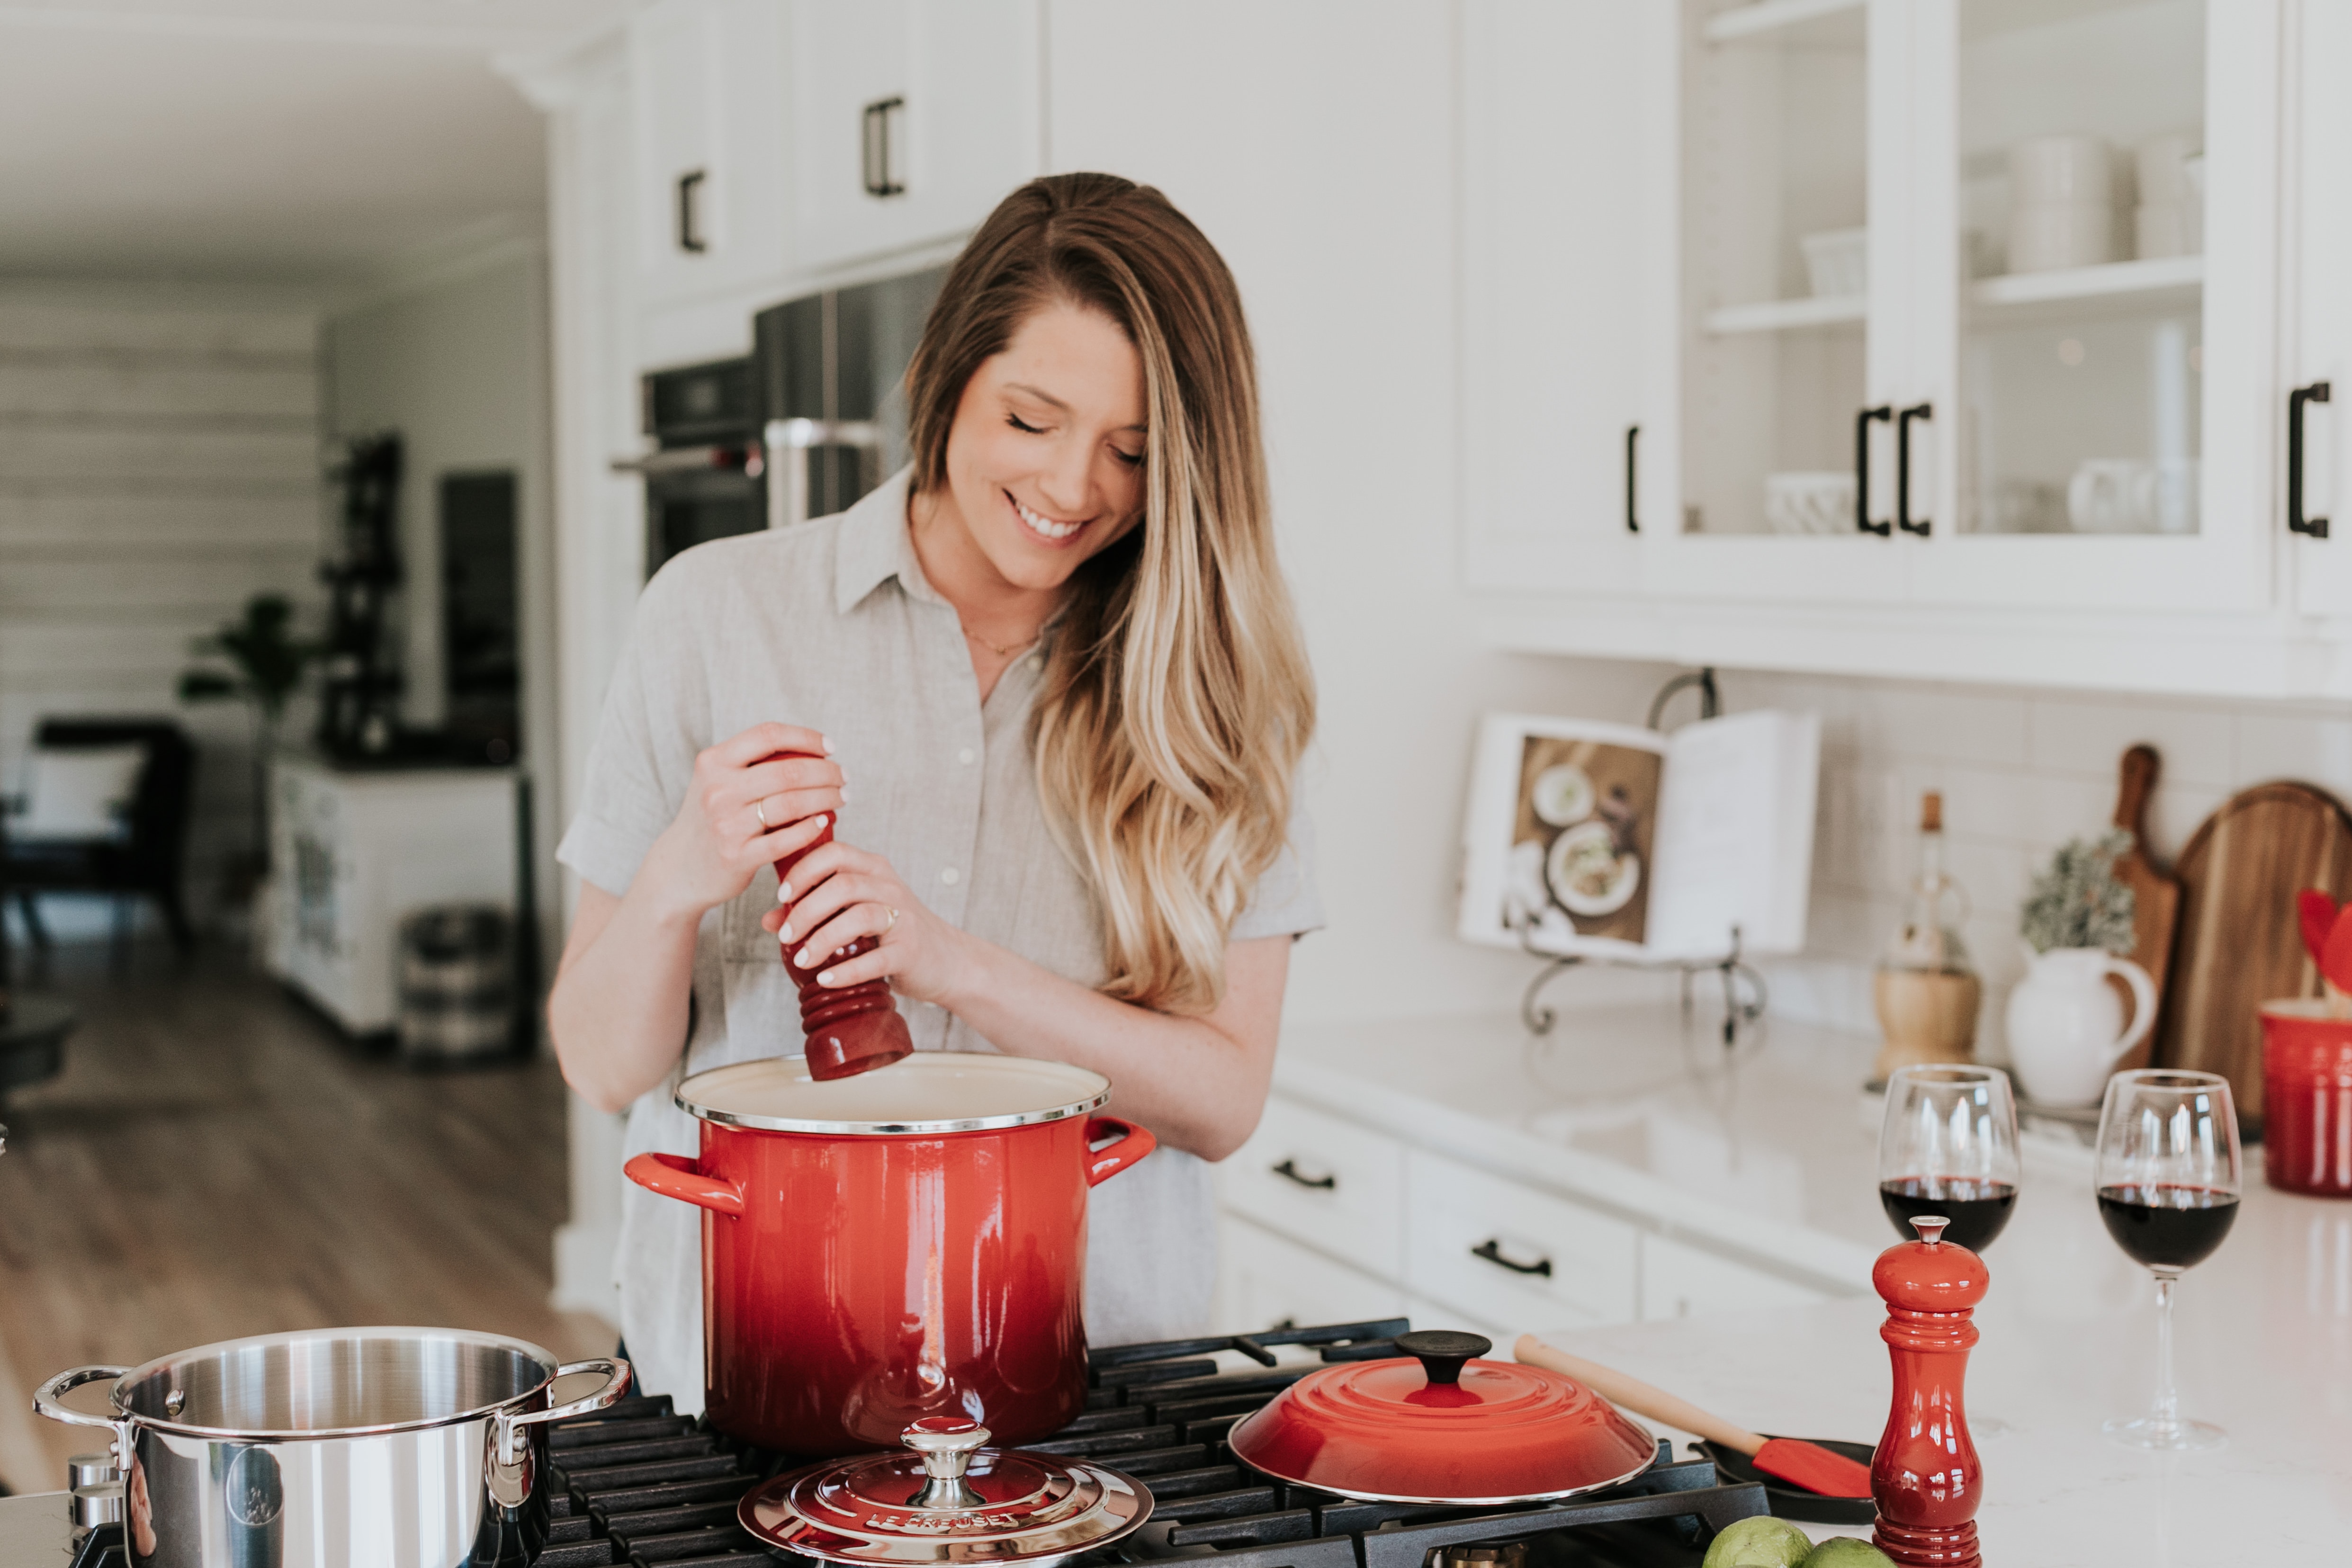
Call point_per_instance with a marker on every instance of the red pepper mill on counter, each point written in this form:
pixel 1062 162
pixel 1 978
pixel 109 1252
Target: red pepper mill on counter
pixel 1926 1477
pixel 850 1028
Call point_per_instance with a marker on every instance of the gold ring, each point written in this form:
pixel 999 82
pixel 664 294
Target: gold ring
pixel 760 810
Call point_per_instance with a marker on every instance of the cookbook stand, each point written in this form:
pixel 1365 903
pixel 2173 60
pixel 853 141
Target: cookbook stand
pixel 1744 993
pixel 1743 986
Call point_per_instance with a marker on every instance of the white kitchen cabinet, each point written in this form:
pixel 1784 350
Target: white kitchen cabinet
pixel 1267 1279
pixel 911 121
pixel 353 853
pixel 1511 1255
pixel 1956 459
pixel 1323 1181
pixel 1682 1281
pixel 2317 345
pixel 712 176
pixel 1567 163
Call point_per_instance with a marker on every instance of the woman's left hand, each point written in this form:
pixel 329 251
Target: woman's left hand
pixel 837 894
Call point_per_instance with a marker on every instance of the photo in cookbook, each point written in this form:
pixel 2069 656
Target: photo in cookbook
pixel 1587 807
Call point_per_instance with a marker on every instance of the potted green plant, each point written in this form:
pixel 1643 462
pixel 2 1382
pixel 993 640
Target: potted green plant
pixel 256 659
pixel 2065 1024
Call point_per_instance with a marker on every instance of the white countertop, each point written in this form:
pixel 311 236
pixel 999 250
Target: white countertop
pixel 1629 1107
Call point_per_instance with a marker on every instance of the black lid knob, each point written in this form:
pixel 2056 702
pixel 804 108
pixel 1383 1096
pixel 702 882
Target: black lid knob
pixel 1442 1351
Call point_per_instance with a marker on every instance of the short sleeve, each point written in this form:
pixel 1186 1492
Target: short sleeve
pixel 656 713
pixel 1285 903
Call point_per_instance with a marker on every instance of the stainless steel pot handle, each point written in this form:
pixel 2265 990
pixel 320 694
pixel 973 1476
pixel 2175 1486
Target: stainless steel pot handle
pixel 511 1433
pixel 47 1396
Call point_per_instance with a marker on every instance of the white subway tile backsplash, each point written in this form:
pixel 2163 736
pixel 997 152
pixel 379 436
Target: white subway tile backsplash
pixel 1947 725
pixel 2089 736
pixel 2314 748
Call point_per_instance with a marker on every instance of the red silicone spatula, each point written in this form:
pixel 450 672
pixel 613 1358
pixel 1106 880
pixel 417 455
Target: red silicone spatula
pixel 1791 1459
pixel 2315 912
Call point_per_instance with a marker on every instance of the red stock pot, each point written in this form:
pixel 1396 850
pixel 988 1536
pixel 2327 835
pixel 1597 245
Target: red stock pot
pixel 900 1245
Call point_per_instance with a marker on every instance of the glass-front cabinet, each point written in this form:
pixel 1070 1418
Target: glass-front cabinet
pixel 1976 303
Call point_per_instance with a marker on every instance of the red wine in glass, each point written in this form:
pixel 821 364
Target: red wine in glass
pixel 1979 1209
pixel 2169 1225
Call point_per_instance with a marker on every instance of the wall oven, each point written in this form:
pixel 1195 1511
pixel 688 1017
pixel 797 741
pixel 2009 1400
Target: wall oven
pixel 704 478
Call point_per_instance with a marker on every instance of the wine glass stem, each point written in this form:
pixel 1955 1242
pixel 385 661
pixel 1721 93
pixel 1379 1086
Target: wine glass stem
pixel 2166 1416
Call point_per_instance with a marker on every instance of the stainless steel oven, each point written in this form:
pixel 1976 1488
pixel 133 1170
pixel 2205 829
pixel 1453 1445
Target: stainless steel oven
pixel 704 480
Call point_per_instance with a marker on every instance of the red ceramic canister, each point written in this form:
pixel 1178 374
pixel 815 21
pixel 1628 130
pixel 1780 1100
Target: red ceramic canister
pixel 899 1245
pixel 2306 1098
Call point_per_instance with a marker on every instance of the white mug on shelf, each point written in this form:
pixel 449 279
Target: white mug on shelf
pixel 2061 171
pixel 2047 237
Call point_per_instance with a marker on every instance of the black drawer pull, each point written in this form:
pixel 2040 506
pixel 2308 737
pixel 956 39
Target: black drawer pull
pixel 875 166
pixel 1491 1249
pixel 1862 422
pixel 1288 1170
pixel 2315 527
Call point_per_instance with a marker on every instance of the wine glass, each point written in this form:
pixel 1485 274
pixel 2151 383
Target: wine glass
pixel 1949 1147
pixel 2169 1183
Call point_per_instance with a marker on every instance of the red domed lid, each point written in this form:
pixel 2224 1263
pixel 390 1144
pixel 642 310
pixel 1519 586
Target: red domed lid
pixel 1931 1274
pixel 1443 1427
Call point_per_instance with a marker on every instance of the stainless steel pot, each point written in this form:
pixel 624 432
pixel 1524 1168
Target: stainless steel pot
pixel 393 1447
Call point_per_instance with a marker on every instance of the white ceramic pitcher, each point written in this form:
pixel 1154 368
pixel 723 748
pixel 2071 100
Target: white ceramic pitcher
pixel 2066 1027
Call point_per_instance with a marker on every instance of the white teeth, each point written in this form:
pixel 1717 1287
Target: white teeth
pixel 1046 526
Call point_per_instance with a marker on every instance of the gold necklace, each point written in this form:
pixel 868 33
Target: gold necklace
pixel 1002 651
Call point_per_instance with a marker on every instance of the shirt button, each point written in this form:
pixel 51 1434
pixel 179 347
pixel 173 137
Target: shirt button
pixel 950 876
pixel 964 757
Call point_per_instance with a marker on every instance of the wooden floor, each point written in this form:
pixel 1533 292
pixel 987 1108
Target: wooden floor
pixel 217 1161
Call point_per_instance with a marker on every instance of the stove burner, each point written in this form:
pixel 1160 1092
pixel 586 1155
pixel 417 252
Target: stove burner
pixel 642 1484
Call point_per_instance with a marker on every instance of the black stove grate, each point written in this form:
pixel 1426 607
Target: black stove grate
pixel 640 1484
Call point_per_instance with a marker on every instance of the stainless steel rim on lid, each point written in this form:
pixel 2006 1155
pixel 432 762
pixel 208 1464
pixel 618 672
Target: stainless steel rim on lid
pixel 951 1500
pixel 928 1093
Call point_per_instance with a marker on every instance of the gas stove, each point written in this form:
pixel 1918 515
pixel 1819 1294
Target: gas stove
pixel 642 1485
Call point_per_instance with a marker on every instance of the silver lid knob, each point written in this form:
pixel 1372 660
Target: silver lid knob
pixel 947 1444
pixel 1930 1227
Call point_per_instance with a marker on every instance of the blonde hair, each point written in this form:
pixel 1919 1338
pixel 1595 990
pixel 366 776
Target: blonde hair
pixel 1178 699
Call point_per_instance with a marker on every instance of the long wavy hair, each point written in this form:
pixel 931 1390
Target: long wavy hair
pixel 1178 698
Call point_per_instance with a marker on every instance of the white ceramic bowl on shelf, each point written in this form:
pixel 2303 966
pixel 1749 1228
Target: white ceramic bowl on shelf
pixel 1808 502
pixel 1838 261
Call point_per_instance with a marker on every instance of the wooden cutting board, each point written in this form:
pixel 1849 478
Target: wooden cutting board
pixel 2239 945
pixel 2156 897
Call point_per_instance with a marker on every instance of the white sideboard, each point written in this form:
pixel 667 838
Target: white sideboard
pixel 353 853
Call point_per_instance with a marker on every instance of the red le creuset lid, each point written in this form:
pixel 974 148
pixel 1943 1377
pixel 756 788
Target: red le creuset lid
pixel 1438 1426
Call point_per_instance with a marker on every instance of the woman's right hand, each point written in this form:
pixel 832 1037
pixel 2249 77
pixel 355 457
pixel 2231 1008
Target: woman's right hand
pixel 719 840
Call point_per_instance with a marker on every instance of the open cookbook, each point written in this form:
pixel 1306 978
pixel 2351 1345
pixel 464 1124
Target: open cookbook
pixel 1603 840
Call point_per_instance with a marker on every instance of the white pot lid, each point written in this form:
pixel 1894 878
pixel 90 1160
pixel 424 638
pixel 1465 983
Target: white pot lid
pixel 930 1093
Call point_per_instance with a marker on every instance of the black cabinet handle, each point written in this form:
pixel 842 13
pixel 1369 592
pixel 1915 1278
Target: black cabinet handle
pixel 1289 1169
pixel 1861 471
pixel 1491 1249
pixel 1920 410
pixel 2317 391
pixel 1633 517
pixel 874 148
pixel 689 215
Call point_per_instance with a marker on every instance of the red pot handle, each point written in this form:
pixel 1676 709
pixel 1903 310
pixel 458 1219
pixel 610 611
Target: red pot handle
pixel 674 1176
pixel 1103 1165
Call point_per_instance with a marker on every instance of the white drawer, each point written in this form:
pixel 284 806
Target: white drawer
pixel 1267 1281
pixel 1510 1255
pixel 1682 1282
pixel 1333 1184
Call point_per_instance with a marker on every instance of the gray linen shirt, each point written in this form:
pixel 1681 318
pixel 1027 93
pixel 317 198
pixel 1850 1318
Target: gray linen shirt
pixel 831 625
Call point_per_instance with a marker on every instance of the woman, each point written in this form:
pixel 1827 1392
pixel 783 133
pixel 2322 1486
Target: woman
pixel 1050 682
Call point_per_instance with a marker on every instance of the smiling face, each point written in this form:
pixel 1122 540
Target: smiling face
pixel 1045 459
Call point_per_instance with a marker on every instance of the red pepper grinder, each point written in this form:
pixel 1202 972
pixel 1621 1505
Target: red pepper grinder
pixel 1925 1476
pixel 849 1029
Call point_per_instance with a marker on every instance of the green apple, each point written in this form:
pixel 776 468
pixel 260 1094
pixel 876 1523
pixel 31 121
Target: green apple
pixel 1762 1541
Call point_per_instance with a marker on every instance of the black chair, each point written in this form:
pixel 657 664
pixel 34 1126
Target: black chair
pixel 145 860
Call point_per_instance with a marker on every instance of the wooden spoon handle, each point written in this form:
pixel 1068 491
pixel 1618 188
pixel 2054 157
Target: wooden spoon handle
pixel 1636 1395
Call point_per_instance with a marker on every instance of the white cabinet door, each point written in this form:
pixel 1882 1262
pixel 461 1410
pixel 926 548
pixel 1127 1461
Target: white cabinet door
pixel 1567 322
pixel 1267 1281
pixel 2102 409
pixel 911 120
pixel 2318 342
pixel 1324 1181
pixel 1680 1281
pixel 710 175
pixel 1510 1255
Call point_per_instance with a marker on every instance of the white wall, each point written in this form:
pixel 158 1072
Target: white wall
pixel 1320 159
pixel 158 467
